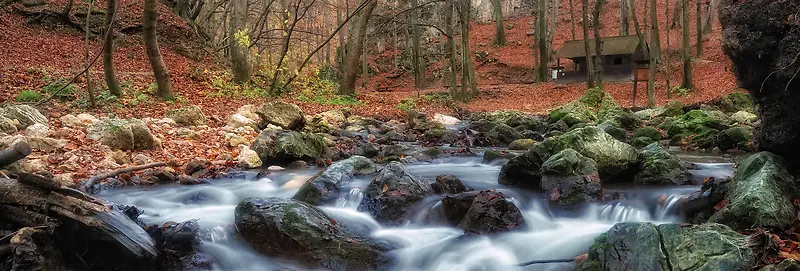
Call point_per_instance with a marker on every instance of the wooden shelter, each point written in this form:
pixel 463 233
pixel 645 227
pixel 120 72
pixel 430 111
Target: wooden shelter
pixel 622 58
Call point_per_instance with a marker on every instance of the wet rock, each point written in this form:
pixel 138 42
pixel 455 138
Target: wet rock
pixel 761 195
pixel 705 139
pixel 33 249
pixel 448 184
pixel 570 180
pixel 491 212
pixel 283 147
pixel 697 119
pixel 119 134
pixel 300 232
pixel 734 138
pixel 299 164
pixel 492 155
pixel 438 136
pixel 645 246
pixel 180 237
pixel 641 142
pixel 737 101
pixel 500 135
pixel 613 157
pixel 525 169
pixel 249 158
pixel 190 180
pixel 536 136
pixel 24 114
pixel 195 166
pixel 390 196
pixel 785 265
pixel 521 144
pixel 37 130
pixel 573 113
pixel 661 167
pixel 188 116
pixel 141 159
pixel 197 261
pixel 612 130
pixel 455 207
pixel 7 125
pixel 419 121
pixel 744 117
pixel 698 206
pixel 284 115
pixel 165 175
pixel 648 132
pixel 618 118
pixel 324 187
pixel 560 126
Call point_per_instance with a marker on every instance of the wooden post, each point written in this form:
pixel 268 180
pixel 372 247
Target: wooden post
pixel 635 82
pixel 14 153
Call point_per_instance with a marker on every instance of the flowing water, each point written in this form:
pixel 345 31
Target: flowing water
pixel 548 235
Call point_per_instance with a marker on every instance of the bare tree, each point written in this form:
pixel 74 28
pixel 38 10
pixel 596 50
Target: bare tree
pixel 589 65
pixel 572 18
pixel 708 23
pixel 450 48
pixel 699 26
pixel 655 37
pixel 598 9
pixel 356 44
pixel 500 32
pixel 541 41
pixel 687 59
pixel 623 18
pixel 468 79
pixel 89 89
pixel 240 41
pixel 667 57
pixel 416 47
pixel 651 100
pixel 149 18
pixel 108 53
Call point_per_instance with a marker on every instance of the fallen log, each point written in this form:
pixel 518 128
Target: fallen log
pixel 85 186
pixel 14 153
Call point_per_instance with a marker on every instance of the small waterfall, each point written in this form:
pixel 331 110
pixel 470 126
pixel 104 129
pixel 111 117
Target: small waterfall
pixel 668 208
pixel 351 200
pixel 127 233
pixel 619 211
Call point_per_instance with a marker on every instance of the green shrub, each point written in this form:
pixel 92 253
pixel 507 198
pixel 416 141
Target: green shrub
pixel 28 96
pixel 59 91
pixel 407 105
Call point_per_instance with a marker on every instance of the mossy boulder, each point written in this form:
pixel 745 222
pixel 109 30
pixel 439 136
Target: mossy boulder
pixel 390 196
pixel 672 109
pixel 493 155
pixel 500 135
pixel 558 126
pixel 619 118
pixel 641 142
pixel 521 144
pixel 612 130
pixel 648 132
pixel 26 115
pixel 525 169
pixel 491 212
pixel 696 119
pixel 281 114
pixel 744 117
pixel 650 113
pixel 573 113
pixel 570 179
pixel 283 146
pixel 761 195
pixel 299 232
pixel 734 138
pixel 318 124
pixel 324 187
pixel 188 116
pixel 785 265
pixel 646 246
pixel 438 136
pixel 675 126
pixel 737 101
pixel 7 125
pixel 123 134
pixel 706 138
pixel 661 167
pixel 511 118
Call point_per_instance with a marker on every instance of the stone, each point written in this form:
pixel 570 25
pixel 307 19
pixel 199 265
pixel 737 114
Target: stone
pixel 46 144
pixel 64 179
pixel 491 212
pixel 324 187
pixel 249 111
pixel 649 132
pixel 283 146
pixel 187 133
pixel 651 113
pixel 188 116
pixel 613 157
pixel 521 144
pixel 86 119
pixel 493 155
pixel 249 158
pixel 448 184
pixel 33 249
pixel 33 165
pixel 641 142
pixel 238 120
pixel 7 125
pixel 165 175
pixel 525 170
pixel 672 108
pixel 573 113
pixel 190 180
pixel 235 140
pixel 302 233
pixel 37 130
pixel 737 101
pixel 390 196
pixel 785 265
pixel 500 135
pixel 761 195
pixel 71 121
pixel 119 134
pixel 142 159
pixel 570 180
pixel 318 124
pixel 744 117
pixel 661 167
pixel 121 157
pixel 734 138
pixel 612 130
pixel 195 166
pixel 26 115
pixel 284 115
pixel 446 120
pixel 645 246
pixel 337 117
pixel 618 118
pixel 699 119
pixel 438 136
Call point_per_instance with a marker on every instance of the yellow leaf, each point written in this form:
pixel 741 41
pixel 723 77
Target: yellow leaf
pixel 385 188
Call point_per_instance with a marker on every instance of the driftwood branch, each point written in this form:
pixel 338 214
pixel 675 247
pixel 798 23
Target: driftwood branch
pixel 88 184
pixel 14 153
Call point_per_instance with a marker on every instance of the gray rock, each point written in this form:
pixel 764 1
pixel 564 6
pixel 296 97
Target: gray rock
pixel 324 187
pixel 661 167
pixel 284 115
pixel 390 196
pixel 284 146
pixel 24 114
pixel 121 134
pixel 188 116
pixel 570 180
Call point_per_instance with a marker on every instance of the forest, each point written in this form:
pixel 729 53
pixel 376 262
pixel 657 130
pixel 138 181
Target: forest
pixel 399 135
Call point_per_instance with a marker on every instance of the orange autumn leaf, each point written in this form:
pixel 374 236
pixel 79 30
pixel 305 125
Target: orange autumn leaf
pixel 786 255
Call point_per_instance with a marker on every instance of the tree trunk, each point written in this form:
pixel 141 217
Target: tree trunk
pixel 589 60
pixel 149 18
pixel 598 8
pixel 687 59
pixel 14 153
pixel 450 49
pixel 67 9
pixel 356 44
pixel 708 23
pixel 552 28
pixel 655 37
pixel 667 59
pixel 240 42
pixel 499 30
pixel 623 18
pixel 108 54
pixel 340 51
pixel 287 39
pixel 467 69
pixel 416 47
pixel 699 26
pixel 89 89
pixel 572 18
pixel 542 70
pixel 365 66
pixel 676 14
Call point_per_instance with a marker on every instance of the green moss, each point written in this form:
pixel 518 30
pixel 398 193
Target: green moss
pixel 521 144
pixel 737 101
pixel 27 96
pixel 641 142
pixel 649 132
pixel 733 137
pixel 672 109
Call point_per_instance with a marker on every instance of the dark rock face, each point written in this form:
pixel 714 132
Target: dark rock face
pixel 324 187
pixel 762 39
pixel 646 246
pixel 448 184
pixel 33 249
pixel 456 206
pixel 661 167
pixel 491 212
pixel 392 193
pixel 295 230
pixel 569 179
pixel 283 147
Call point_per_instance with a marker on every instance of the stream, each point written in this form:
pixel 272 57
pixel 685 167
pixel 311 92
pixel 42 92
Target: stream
pixel 548 235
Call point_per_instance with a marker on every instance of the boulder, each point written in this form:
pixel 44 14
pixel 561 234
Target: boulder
pixel 304 234
pixel 337 117
pixel 284 146
pixel 737 101
pixel 641 142
pixel 618 118
pixel 318 124
pixel 500 135
pixel 569 179
pixel 188 116
pixel 284 115
pixel 249 158
pixel 524 170
pixel 645 246
pixel 435 136
pixel 37 130
pixel 761 195
pixel 455 207
pixel 141 159
pixel 491 212
pixel 648 132
pixel 492 155
pixel 446 120
pixel 744 117
pixel 122 134
pixel 697 119
pixel 83 120
pixel 390 196
pixel 448 184
pixel 734 138
pixel 611 129
pixel 573 113
pixel 650 113
pixel 238 120
pixel 196 165
pixel 7 125
pixel 521 144
pixel 785 265
pixel 24 114
pixel 613 157
pixel 661 167
pixel 672 108
pixel 324 187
